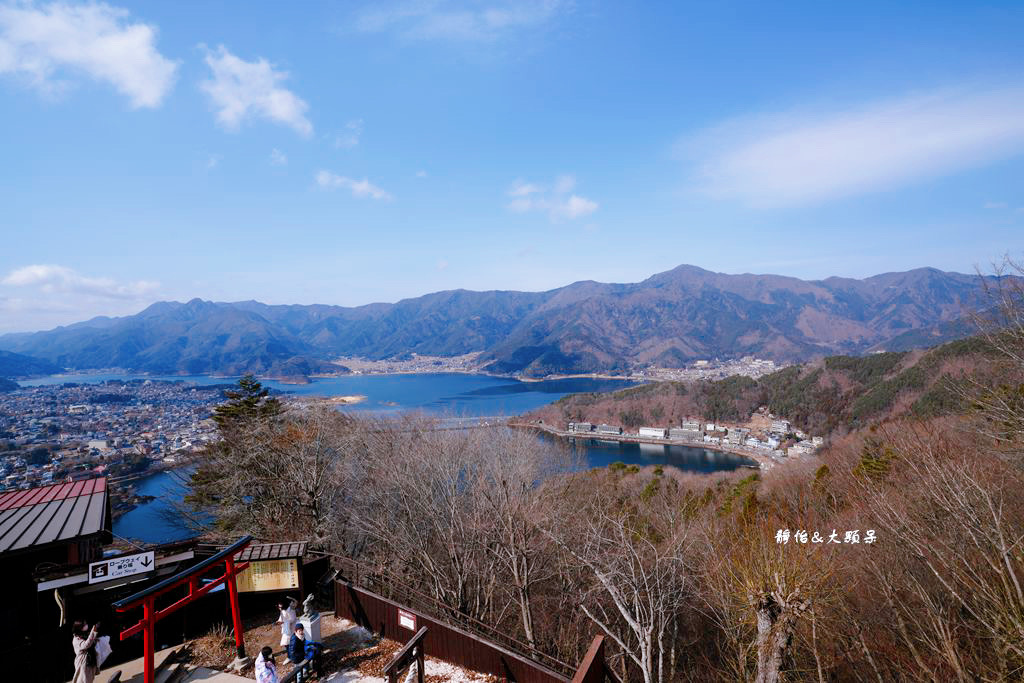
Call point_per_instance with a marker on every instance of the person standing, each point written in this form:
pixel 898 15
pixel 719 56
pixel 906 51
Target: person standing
pixel 287 620
pixel 266 670
pixel 83 641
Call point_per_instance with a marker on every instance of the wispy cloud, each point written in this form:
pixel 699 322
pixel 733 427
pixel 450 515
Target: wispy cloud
pixel 421 174
pixel 50 43
pixel 349 137
pixel 241 90
pixel 213 160
pixel 442 20
pixel 994 205
pixel 278 158
pixel 359 188
pixel 52 279
pixel 556 199
pixel 800 158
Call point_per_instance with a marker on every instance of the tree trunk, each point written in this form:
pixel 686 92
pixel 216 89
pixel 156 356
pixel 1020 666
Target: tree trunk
pixel 774 632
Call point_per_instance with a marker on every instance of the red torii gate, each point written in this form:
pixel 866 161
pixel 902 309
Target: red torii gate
pixel 147 598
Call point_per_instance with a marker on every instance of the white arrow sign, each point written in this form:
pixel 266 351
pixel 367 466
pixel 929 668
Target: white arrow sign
pixel 119 567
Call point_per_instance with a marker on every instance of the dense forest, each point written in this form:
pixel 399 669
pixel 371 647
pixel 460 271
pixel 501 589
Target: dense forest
pixel 894 556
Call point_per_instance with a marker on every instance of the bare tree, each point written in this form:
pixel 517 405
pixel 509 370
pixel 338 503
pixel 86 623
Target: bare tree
pixel 760 592
pixel 1000 403
pixel 515 465
pixel 961 529
pixel 636 562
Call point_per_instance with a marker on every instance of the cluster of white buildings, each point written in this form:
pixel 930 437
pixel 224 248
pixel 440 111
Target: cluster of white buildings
pixel 712 370
pixel 767 442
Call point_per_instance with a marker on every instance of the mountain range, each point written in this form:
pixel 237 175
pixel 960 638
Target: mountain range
pixel 669 319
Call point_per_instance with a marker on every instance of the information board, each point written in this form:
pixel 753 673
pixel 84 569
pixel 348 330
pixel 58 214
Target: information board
pixel 269 575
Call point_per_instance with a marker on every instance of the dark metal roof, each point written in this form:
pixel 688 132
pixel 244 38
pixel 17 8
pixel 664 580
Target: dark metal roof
pixel 60 512
pixel 273 551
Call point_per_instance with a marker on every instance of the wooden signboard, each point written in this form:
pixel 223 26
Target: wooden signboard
pixel 269 575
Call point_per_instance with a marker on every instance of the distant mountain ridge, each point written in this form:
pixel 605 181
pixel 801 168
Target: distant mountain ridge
pixel 668 319
pixel 19 365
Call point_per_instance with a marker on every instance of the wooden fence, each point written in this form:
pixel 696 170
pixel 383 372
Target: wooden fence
pixel 593 668
pixel 443 641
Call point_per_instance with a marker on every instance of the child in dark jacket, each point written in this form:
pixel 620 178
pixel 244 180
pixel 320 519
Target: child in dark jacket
pixel 300 649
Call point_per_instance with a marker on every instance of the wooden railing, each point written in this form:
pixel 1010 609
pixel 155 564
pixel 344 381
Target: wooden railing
pixel 410 652
pixel 303 667
pixel 391 585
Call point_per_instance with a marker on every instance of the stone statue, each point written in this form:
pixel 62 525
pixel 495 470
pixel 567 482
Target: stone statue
pixel 308 610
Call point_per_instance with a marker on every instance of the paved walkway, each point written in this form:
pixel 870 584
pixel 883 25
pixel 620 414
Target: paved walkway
pixel 203 674
pixel 132 671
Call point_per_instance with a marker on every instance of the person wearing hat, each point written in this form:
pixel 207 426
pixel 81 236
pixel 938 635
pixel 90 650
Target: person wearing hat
pixel 266 670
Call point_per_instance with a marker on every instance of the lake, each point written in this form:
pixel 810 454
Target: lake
pixel 458 394
pixel 453 394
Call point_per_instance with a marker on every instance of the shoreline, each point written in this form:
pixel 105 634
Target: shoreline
pixel 308 379
pixel 759 461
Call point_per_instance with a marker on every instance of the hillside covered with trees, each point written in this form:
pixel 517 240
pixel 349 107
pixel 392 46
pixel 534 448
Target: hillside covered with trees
pixel 835 393
pixel 894 557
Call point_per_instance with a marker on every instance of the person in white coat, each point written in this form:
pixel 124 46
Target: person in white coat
pixel 287 620
pixel 83 641
pixel 266 669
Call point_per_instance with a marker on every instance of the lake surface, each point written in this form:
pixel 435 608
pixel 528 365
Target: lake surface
pixel 458 394
pixel 601 453
pixel 153 522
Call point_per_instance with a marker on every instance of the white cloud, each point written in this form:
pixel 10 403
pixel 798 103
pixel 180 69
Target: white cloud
pixel 351 135
pixel 575 207
pixel 213 160
pixel 557 200
pixel 52 279
pixel 521 189
pixel 564 183
pixel 994 205
pixel 804 158
pixel 421 174
pixel 447 21
pixel 358 188
pixel 278 158
pixel 241 90
pixel 48 43
pixel 442 264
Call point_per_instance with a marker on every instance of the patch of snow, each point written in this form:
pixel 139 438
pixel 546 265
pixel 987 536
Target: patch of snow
pixel 352 676
pixel 356 630
pixel 450 672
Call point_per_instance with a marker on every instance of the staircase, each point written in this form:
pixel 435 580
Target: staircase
pixel 168 669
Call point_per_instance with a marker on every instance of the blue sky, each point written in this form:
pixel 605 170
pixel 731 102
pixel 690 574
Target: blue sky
pixel 345 153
